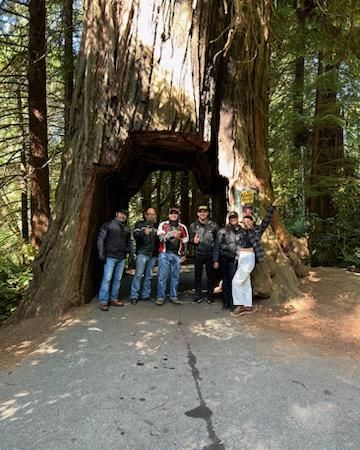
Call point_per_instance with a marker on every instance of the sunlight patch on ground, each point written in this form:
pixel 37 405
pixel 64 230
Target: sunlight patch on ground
pixel 313 277
pixel 351 323
pixel 22 394
pixel 300 304
pixel 220 329
pixel 9 408
pixel 19 348
pixel 46 348
pixel 320 416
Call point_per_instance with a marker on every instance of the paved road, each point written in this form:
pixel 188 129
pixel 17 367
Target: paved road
pixel 178 377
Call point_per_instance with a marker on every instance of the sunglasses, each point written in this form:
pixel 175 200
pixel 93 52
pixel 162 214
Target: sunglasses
pixel 173 211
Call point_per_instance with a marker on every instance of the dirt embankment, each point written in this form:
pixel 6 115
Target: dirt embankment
pixel 327 313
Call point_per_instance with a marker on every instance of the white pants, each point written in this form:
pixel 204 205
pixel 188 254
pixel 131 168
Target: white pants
pixel 241 283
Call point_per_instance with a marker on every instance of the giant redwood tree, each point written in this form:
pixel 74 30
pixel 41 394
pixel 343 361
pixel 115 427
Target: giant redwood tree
pixel 175 85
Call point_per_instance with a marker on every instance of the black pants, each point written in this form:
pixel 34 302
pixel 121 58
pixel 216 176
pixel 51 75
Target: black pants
pixel 200 262
pixel 227 270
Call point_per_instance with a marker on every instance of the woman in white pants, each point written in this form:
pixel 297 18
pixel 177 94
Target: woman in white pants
pixel 249 252
pixel 241 282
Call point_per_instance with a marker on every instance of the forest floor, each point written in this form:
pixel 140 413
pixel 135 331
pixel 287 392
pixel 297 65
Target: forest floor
pixel 326 314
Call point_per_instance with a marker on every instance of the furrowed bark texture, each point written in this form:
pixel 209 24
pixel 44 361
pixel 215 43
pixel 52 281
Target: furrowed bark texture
pixel 38 158
pixel 155 88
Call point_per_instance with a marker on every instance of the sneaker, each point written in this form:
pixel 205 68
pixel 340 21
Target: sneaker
pixel 160 301
pixel 104 306
pixel 133 301
pixel 176 301
pixel 210 301
pixel 197 300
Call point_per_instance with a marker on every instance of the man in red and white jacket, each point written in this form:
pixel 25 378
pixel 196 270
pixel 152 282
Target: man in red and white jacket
pixel 174 238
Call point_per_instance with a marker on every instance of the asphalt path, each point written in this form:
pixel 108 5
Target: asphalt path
pixel 144 377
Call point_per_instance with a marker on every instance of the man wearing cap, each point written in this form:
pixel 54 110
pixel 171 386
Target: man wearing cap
pixel 174 238
pixel 114 244
pixel 226 243
pixel 147 244
pixel 202 235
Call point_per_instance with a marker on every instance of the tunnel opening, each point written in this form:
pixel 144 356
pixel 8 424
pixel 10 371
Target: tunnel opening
pixel 150 157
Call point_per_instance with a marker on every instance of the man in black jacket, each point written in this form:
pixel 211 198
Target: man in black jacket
pixel 147 243
pixel 114 244
pixel 202 235
pixel 226 244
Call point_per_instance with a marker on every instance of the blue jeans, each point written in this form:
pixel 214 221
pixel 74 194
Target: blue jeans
pixel 113 270
pixel 144 267
pixel 168 262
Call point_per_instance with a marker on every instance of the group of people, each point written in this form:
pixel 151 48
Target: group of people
pixel 233 249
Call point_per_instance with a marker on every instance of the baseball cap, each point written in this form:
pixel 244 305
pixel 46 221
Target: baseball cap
pixel 233 214
pixel 203 208
pixel 174 210
pixel 124 211
pixel 249 217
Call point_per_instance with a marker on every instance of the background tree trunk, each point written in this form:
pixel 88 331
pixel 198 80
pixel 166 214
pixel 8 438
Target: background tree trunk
pixel 327 160
pixel 68 63
pixel 38 160
pixel 157 85
pixel 184 197
pixel 23 171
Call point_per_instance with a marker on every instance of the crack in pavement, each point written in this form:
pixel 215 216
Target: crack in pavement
pixel 202 411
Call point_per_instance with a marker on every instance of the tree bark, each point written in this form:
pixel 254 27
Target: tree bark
pixel 38 159
pixel 158 87
pixel 23 171
pixel 68 64
pixel 327 161
pixel 173 188
pixel 184 197
pixel 146 191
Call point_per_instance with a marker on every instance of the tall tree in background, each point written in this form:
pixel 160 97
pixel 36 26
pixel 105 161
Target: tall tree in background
pixel 327 160
pixel 38 158
pixel 68 63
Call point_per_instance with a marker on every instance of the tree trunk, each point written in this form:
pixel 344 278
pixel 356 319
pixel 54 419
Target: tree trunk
pixel 173 188
pixel 304 9
pixel 38 159
pixel 155 89
pixel 327 159
pixel 68 64
pixel 158 194
pixel 146 192
pixel 184 197
pixel 23 171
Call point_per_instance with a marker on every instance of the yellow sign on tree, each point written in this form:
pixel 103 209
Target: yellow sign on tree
pixel 247 197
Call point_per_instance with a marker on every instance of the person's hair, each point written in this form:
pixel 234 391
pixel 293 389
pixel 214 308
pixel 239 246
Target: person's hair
pixel 249 217
pixel 147 209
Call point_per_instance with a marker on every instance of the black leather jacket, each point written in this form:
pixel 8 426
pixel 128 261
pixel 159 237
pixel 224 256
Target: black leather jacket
pixel 227 242
pixel 207 233
pixel 114 240
pixel 146 244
